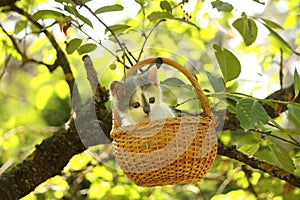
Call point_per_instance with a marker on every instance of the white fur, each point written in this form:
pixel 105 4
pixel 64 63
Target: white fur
pixel 160 111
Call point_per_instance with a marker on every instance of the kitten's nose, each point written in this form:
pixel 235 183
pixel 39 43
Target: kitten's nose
pixel 146 109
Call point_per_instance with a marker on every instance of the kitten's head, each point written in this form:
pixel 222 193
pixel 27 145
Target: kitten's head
pixel 135 97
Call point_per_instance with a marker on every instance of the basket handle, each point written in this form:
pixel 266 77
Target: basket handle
pixel 203 101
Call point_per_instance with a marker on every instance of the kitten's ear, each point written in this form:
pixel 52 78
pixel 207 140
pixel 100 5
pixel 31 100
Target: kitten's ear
pixel 116 89
pixel 152 75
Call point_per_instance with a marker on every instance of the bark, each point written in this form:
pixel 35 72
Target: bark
pixel 7 2
pixel 273 170
pixel 48 159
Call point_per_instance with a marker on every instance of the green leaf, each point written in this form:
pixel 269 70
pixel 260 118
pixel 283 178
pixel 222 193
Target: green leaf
pixel 117 28
pixel 111 8
pixel 249 149
pixel 173 82
pixel 247 28
pixel 155 16
pixel 72 10
pixel 48 14
pixel 222 6
pixel 294 110
pixel 73 45
pixel 141 2
pixel 276 35
pixel 250 113
pixel 229 64
pixel 283 157
pixel 165 6
pixel 272 24
pixel 86 48
pixel 20 25
pixel 216 82
pixel 84 19
pixel 296 83
pixel 34 29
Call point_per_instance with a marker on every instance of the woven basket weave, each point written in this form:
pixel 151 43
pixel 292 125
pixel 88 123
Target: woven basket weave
pixel 177 150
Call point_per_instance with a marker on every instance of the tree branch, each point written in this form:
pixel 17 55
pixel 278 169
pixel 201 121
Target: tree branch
pixel 55 151
pixel 233 153
pixel 25 59
pixel 46 161
pixel 50 157
pixel 61 59
pixel 7 2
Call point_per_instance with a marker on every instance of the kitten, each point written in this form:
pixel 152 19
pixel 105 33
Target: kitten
pixel 138 99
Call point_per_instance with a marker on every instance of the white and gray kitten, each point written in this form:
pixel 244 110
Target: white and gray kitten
pixel 138 98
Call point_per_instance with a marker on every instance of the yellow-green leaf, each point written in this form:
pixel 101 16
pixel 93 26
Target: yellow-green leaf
pixel 165 6
pixel 277 36
pixel 73 45
pixel 117 28
pixel 296 82
pixel 86 48
pixel 72 10
pixel 294 111
pixel 111 8
pixel 283 157
pixel 155 16
pixel 48 14
pixel 272 24
pixel 20 25
pixel 247 28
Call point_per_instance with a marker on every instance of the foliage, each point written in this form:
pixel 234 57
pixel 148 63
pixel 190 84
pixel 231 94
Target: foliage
pixel 210 38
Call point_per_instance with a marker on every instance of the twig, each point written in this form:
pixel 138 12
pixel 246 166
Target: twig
pixel 185 101
pixel 25 59
pixel 275 136
pixel 283 130
pixel 147 37
pixel 14 42
pixel 80 3
pixel 130 54
pixel 281 68
pixel 61 59
pixel 5 66
pixel 179 4
pixel 98 42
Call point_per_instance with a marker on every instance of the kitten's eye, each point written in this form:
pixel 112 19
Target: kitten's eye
pixel 151 99
pixel 135 104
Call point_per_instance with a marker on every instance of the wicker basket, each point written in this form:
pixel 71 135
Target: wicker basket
pixel 177 150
